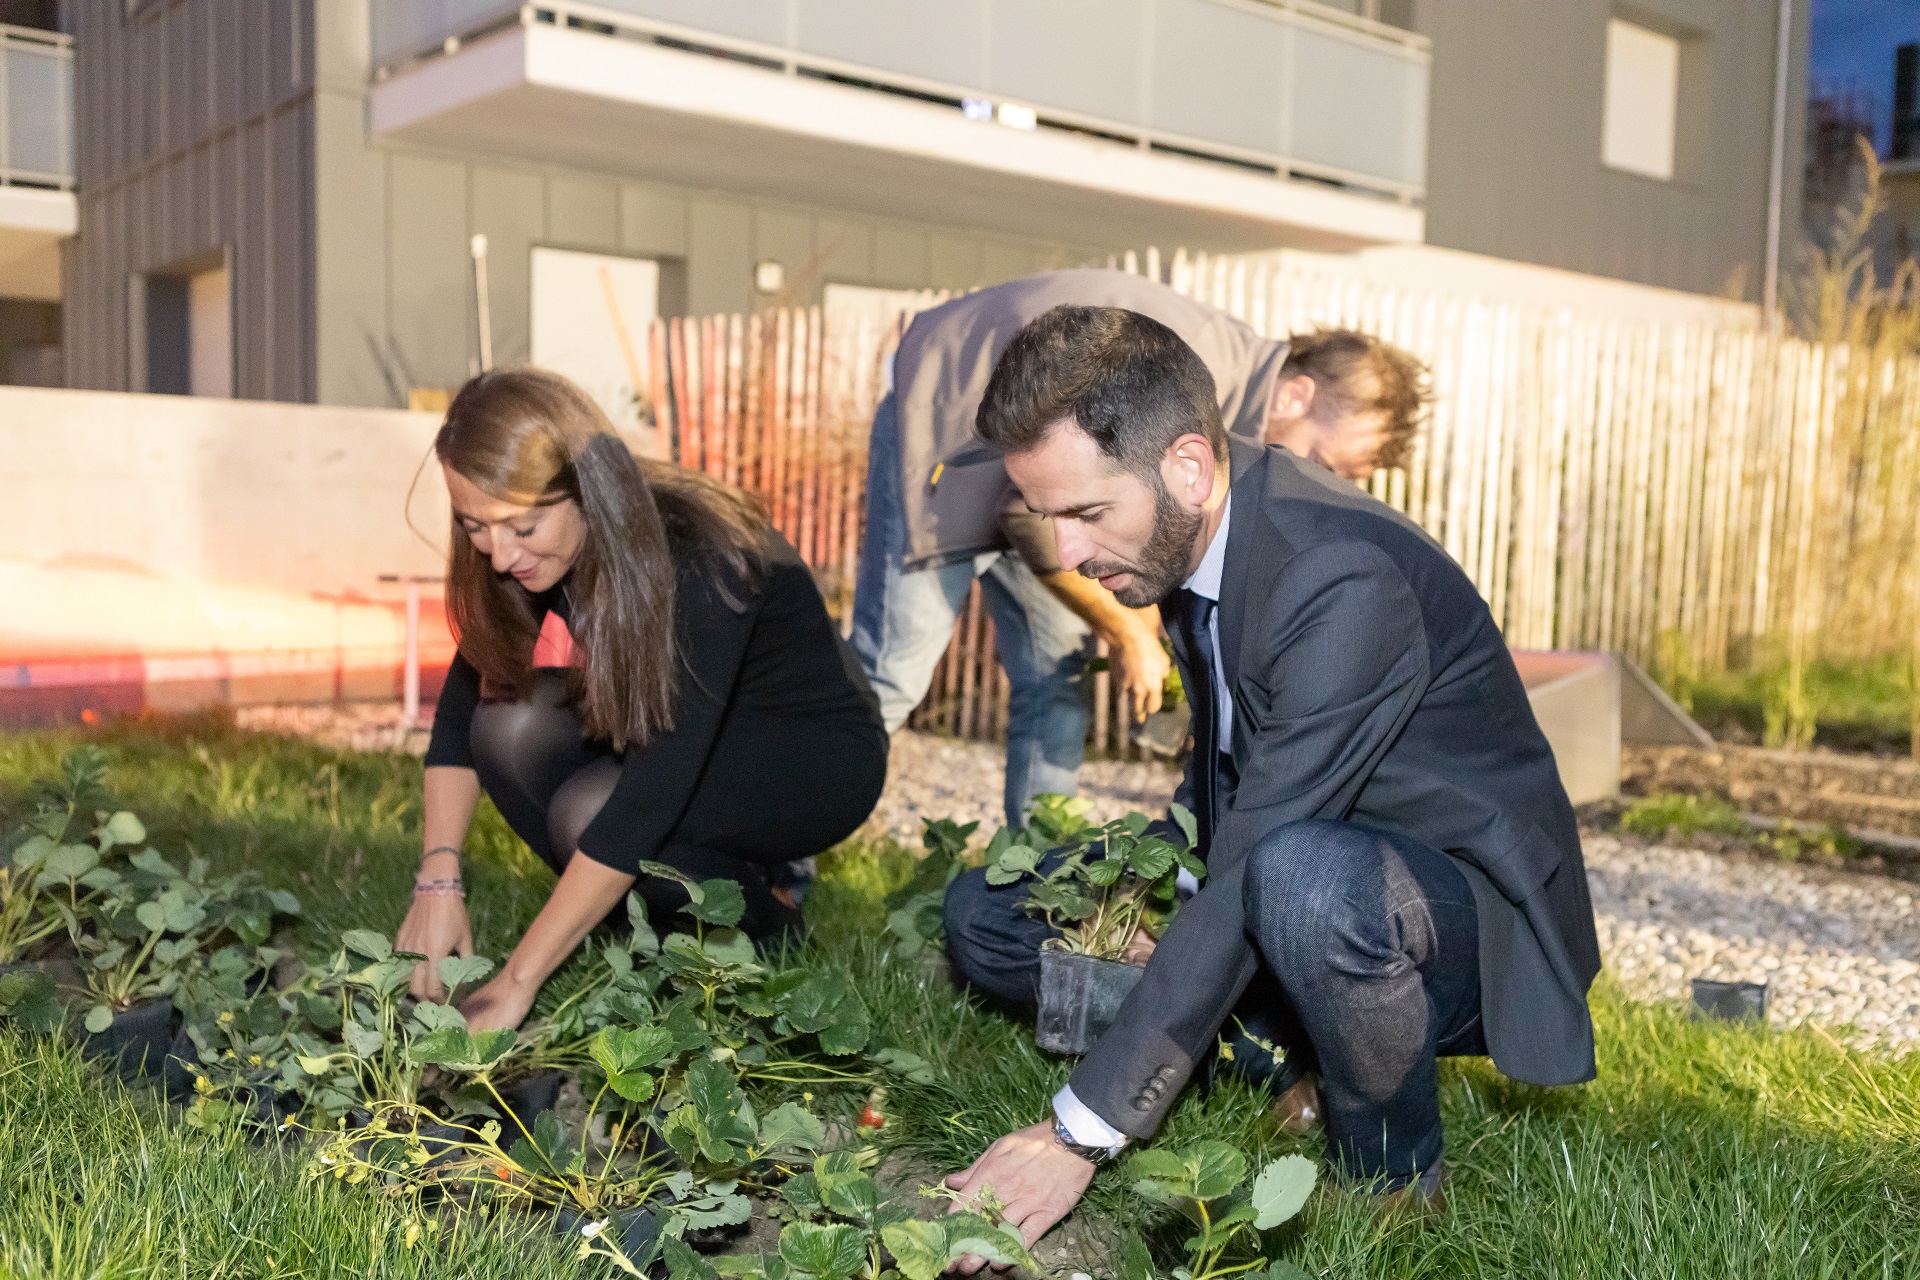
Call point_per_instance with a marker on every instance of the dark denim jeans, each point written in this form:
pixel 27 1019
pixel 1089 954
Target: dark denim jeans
pixel 1370 971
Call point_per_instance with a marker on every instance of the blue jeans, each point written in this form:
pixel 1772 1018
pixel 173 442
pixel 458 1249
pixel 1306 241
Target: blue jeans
pixel 1370 970
pixel 903 619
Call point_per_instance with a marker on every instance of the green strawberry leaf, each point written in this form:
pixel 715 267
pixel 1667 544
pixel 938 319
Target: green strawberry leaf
pixel 1281 1190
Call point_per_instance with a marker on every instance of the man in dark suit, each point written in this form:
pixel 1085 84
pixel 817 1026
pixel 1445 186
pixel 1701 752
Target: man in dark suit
pixel 1393 869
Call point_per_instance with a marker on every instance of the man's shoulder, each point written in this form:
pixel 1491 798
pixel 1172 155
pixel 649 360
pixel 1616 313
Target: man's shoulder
pixel 1304 507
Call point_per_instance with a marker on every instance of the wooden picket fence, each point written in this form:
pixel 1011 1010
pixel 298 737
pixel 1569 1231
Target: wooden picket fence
pixel 1693 495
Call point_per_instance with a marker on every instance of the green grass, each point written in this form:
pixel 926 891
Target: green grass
pixel 1702 1149
pixel 1858 706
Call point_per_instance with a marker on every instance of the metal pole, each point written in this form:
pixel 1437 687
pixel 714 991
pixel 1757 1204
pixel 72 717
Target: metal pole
pixel 1777 172
pixel 410 695
pixel 478 245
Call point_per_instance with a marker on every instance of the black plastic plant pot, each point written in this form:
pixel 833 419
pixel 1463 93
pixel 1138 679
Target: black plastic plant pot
pixel 177 1072
pixel 1732 1001
pixel 525 1099
pixel 638 1228
pixel 136 1042
pixel 436 1137
pixel 1079 998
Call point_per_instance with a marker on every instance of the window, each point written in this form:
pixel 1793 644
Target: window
pixel 591 314
pixel 1642 100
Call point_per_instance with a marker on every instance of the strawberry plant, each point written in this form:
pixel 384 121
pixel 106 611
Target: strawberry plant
pixel 1207 1184
pixel 1100 886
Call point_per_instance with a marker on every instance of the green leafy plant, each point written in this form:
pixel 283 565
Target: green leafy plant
pixel 26 919
pixel 27 1000
pixel 1100 885
pixel 1207 1184
pixel 914 909
pixel 1677 815
pixel 840 1228
pixel 241 1032
pixel 146 927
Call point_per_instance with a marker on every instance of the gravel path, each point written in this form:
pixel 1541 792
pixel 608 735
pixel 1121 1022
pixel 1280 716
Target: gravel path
pixel 1836 947
pixel 1839 948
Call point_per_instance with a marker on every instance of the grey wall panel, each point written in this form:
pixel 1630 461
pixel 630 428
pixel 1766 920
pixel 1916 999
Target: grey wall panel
pixel 429 298
pixel 1514 140
pixel 842 251
pixel 583 213
pixel 1088 56
pixel 719 257
pixel 1217 73
pixel 765 21
pixel 899 256
pixel 942 40
pixel 355 365
pixel 1352 109
pixel 953 261
pixel 509 208
pixel 653 220
pixel 785 236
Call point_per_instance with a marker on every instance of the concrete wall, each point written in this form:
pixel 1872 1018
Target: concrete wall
pixel 1515 127
pixel 289 498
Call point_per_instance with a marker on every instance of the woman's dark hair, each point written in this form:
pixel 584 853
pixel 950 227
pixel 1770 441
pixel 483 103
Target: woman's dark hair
pixel 1126 380
pixel 533 438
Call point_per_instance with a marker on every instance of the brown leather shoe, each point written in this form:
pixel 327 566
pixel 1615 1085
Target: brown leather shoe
pixel 1298 1109
pixel 1424 1197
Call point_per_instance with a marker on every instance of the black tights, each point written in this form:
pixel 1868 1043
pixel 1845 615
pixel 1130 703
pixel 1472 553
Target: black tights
pixel 761 803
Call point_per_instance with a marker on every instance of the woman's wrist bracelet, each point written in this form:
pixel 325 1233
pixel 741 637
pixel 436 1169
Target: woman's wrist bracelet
pixel 442 848
pixel 451 887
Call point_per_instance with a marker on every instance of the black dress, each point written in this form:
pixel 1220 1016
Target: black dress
pixel 777 750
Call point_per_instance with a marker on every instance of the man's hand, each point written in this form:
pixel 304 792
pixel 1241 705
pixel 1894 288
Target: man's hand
pixel 1140 667
pixel 1036 1180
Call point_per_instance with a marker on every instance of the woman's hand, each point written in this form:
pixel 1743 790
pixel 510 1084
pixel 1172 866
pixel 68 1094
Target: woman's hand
pixel 436 927
pixel 504 1002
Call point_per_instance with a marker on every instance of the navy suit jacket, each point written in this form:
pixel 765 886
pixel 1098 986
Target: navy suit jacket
pixel 1369 685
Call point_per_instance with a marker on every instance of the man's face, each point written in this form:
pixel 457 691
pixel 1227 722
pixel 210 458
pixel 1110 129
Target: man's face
pixel 1136 539
pixel 1350 445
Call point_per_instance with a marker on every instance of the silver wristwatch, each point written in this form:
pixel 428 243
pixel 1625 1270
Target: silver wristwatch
pixel 1092 1155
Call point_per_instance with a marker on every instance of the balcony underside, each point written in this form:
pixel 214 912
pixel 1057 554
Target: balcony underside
pixel 32 225
pixel 558 96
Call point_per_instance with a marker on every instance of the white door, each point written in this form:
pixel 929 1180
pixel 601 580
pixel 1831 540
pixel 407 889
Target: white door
pixel 210 334
pixel 591 313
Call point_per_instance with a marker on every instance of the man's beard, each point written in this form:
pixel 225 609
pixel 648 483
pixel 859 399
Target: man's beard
pixel 1163 561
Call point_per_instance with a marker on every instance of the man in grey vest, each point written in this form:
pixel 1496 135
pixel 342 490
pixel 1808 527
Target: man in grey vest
pixel 941 513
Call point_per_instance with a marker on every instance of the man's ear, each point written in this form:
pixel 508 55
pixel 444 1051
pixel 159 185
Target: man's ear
pixel 1188 469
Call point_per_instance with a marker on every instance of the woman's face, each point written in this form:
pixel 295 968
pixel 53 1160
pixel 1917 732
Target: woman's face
pixel 534 545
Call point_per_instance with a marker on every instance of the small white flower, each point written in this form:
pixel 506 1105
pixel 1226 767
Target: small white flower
pixel 592 1229
pixel 326 1159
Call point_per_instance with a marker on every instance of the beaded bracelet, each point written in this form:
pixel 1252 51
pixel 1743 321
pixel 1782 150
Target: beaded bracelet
pixel 450 886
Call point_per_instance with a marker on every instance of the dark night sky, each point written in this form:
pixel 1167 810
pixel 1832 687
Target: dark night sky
pixel 1853 44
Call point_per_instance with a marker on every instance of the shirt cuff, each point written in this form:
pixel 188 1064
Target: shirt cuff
pixel 1082 1125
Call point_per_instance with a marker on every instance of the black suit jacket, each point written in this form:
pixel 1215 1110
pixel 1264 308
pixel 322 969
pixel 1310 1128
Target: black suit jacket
pixel 1369 685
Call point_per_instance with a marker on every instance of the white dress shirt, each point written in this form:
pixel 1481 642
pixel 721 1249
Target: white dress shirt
pixel 1079 1120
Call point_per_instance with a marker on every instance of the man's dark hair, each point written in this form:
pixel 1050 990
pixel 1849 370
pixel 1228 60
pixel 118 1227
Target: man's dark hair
pixel 1126 380
pixel 1356 372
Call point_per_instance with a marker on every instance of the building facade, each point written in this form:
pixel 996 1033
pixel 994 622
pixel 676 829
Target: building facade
pixel 316 200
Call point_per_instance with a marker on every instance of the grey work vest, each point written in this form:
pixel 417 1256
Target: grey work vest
pixel 955 487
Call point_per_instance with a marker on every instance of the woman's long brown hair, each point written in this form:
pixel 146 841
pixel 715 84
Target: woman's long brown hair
pixel 533 438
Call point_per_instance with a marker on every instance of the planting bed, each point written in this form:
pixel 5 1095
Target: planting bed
pixel 1706 1149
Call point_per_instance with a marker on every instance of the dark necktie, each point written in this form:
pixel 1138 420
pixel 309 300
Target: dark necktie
pixel 1193 615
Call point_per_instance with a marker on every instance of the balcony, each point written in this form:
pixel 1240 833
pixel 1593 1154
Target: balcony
pixel 37 209
pixel 1236 123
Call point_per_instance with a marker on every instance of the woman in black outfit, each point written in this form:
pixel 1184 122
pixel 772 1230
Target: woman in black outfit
pixel 710 717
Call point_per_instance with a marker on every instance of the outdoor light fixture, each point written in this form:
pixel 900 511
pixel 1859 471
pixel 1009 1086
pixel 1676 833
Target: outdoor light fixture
pixel 1015 116
pixel 977 108
pixel 769 276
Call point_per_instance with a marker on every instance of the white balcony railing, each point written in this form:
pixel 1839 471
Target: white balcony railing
pixel 1290 87
pixel 36 108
